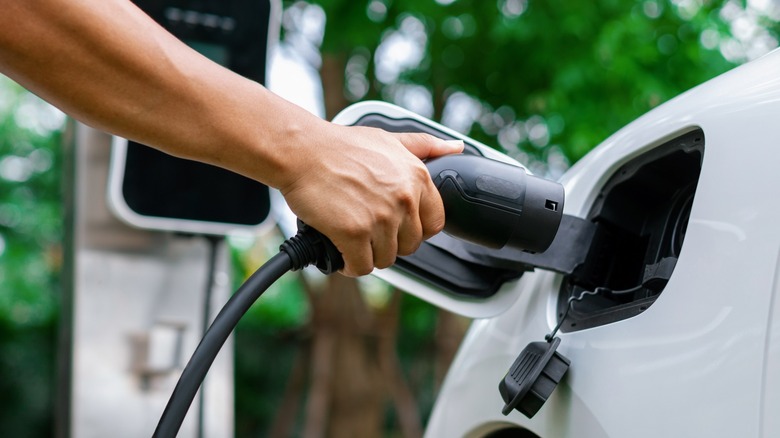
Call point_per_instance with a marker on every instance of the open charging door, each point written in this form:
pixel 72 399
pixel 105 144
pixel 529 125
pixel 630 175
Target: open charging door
pixel 438 272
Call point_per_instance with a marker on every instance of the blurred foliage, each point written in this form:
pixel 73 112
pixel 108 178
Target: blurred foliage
pixel 269 336
pixel 283 305
pixel 30 258
pixel 265 354
pixel 545 81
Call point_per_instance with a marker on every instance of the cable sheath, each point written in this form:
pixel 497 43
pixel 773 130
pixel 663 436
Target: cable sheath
pixel 212 342
pixel 208 293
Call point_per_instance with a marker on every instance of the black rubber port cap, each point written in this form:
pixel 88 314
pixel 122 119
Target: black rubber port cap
pixel 532 377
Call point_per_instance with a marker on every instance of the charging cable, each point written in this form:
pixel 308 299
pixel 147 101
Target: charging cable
pixel 569 303
pixel 308 247
pixel 208 294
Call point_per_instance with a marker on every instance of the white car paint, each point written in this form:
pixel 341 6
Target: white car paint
pixel 704 359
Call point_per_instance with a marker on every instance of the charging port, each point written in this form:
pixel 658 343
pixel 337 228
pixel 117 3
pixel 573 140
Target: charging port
pixel 641 215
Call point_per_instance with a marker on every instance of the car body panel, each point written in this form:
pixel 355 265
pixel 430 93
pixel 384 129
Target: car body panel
pixel 704 359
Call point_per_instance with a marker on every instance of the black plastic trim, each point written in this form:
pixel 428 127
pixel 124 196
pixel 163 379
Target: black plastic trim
pixel 466 269
pixel 641 214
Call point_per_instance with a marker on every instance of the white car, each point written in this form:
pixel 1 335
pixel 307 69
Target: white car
pixel 675 219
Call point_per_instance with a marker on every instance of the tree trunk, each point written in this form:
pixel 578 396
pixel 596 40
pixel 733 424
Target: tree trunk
pixel 450 329
pixel 401 394
pixel 355 389
pixel 332 74
pixel 284 422
pixel 353 365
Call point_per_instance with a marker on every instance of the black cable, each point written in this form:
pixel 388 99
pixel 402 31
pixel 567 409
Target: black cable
pixel 208 293
pixel 550 336
pixel 212 342
pixel 307 247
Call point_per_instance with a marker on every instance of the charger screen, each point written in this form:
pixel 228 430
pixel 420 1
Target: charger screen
pixel 159 185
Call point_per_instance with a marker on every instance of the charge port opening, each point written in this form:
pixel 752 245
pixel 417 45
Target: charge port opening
pixel 642 214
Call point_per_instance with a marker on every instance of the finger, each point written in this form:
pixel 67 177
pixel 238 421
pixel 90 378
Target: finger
pixel 385 249
pixel 427 146
pixel 410 237
pixel 431 210
pixel 358 258
pixel 410 233
pixel 358 263
pixel 384 240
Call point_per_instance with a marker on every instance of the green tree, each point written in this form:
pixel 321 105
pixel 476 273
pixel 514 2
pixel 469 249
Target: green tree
pixel 544 81
pixel 30 257
pixel 537 78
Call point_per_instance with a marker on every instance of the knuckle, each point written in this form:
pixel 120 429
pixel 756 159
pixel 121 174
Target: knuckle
pixel 409 248
pixel 347 272
pixel 410 241
pixel 363 270
pixel 421 172
pixel 433 226
pixel 407 202
pixel 356 229
pixel 384 217
pixel 357 269
pixel 382 264
pixel 424 138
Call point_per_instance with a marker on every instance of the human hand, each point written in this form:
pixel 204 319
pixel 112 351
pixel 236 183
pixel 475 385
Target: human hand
pixel 369 192
pixel 366 189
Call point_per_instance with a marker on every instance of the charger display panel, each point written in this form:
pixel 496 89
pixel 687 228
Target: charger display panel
pixel 154 190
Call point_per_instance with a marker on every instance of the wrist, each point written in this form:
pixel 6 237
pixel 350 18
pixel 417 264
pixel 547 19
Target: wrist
pixel 262 136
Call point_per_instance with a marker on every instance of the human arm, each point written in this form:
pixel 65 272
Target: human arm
pixel 107 64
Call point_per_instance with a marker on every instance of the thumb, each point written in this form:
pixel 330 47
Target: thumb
pixel 427 146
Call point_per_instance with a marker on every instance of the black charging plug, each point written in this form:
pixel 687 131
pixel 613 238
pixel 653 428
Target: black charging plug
pixel 310 247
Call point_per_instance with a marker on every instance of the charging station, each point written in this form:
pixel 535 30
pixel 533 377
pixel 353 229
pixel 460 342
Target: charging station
pixel 152 190
pixel 146 269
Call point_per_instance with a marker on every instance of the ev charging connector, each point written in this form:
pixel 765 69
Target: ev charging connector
pixel 495 204
pixel 487 202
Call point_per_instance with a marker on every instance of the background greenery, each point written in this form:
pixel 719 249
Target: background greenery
pixel 544 81
pixel 30 259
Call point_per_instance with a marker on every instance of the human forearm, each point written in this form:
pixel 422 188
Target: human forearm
pixel 109 65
